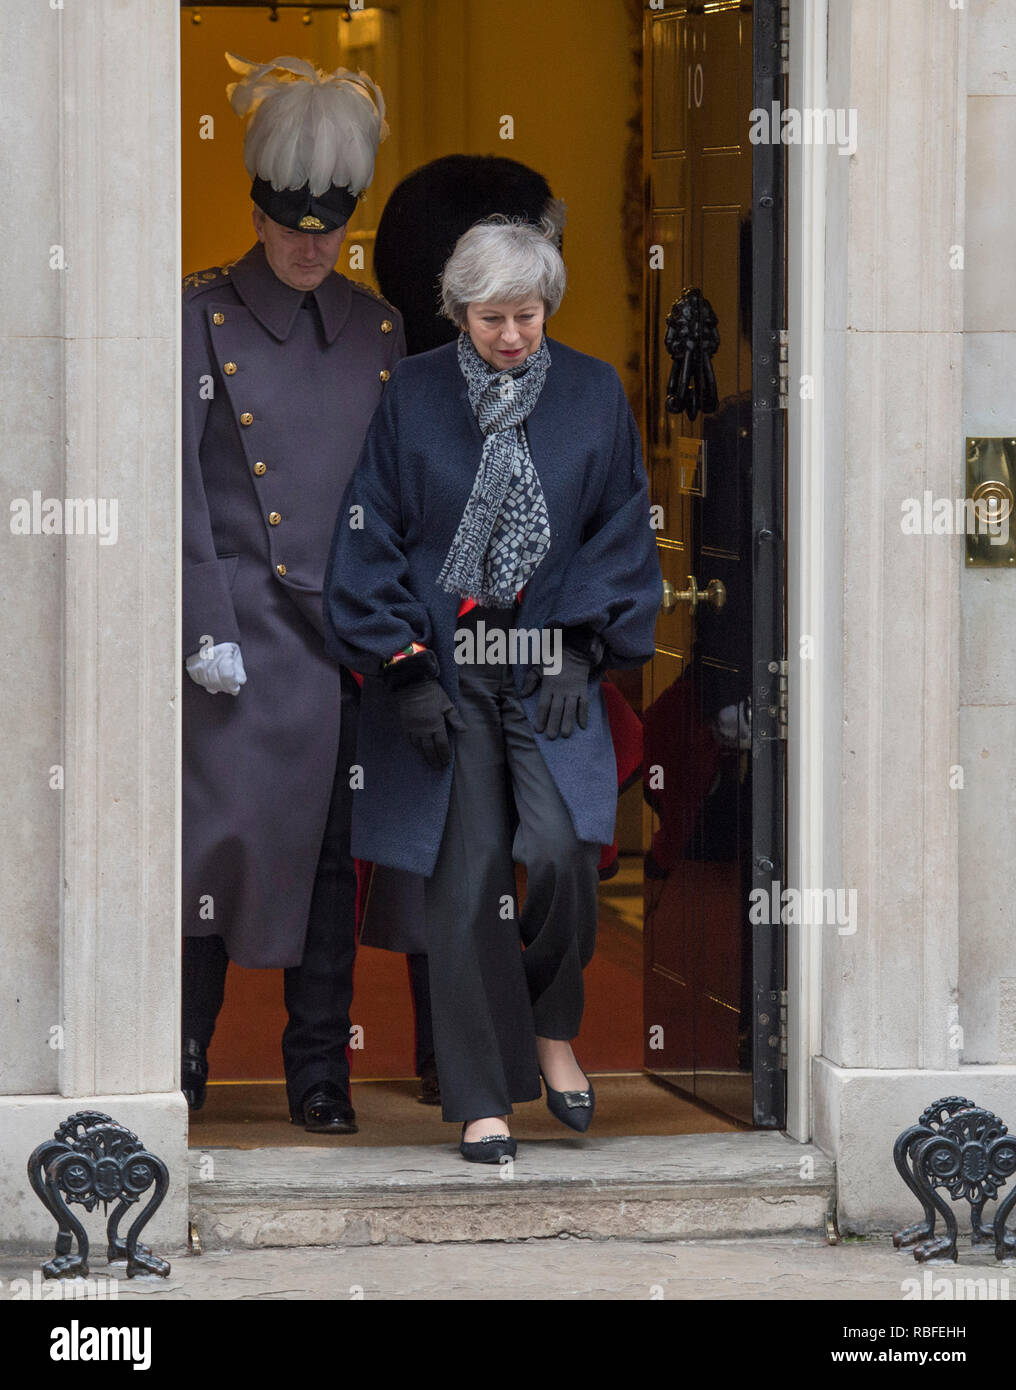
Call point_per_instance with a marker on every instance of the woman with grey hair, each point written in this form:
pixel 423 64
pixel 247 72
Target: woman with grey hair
pixel 492 557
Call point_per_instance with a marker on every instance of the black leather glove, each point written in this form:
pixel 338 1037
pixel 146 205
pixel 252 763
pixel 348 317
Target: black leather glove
pixel 425 711
pixel 564 696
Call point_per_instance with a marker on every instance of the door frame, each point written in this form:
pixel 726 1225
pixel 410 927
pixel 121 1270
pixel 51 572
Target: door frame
pixel 806 510
pixel 780 1058
pixel 804 23
pixel 806 560
pixel 768 531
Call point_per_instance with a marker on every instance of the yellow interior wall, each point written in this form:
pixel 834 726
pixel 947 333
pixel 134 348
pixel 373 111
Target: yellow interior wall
pixel 560 69
pixel 216 189
pixel 450 69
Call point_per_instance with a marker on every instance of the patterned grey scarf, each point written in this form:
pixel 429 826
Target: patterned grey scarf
pixel 505 530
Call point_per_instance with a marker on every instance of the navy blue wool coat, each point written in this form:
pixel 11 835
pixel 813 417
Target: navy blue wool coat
pixel 397 520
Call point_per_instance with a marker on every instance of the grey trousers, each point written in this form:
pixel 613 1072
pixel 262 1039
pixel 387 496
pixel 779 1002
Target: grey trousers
pixel 490 998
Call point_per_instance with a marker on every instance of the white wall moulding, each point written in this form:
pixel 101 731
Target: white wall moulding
pixel 809 528
pixel 97 330
pixel 119 948
pixel 987 996
pixel 31 458
pixel 894 321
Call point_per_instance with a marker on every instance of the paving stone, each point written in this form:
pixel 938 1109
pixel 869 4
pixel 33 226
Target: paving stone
pixel 783 1269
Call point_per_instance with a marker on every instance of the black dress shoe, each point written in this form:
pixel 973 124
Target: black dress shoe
pixel 430 1087
pixel 194 1072
pixel 572 1108
pixel 325 1109
pixel 493 1149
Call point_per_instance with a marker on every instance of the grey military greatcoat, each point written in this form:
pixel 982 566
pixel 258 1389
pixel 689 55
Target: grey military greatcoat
pixel 278 390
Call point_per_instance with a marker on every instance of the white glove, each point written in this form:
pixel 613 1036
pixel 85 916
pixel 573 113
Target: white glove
pixel 219 670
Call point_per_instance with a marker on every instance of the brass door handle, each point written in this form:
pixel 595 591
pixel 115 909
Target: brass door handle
pixel 715 593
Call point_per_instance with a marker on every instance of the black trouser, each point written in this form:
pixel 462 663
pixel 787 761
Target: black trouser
pixel 490 999
pixel 318 992
pixel 424 1028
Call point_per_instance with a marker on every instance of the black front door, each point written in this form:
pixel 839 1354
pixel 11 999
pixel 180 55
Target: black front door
pixel 713 759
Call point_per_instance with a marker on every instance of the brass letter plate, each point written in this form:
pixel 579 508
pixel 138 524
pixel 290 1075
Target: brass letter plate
pixel 991 491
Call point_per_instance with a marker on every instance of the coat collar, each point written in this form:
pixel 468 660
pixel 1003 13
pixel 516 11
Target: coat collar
pixel 275 305
pixel 448 356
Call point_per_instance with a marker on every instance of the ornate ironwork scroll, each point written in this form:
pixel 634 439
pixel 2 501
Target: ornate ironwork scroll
pixel 92 1159
pixel 958 1149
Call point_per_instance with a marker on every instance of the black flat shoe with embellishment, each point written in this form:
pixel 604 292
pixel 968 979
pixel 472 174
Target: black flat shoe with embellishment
pixel 572 1108
pixel 492 1149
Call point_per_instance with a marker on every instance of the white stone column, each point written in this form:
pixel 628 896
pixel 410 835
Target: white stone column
pixel 894 430
pixel 988 664
pixel 94 350
pixel 919 353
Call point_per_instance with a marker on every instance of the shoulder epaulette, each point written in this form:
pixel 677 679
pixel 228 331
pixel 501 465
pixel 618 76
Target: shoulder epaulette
pixel 369 289
pixel 204 279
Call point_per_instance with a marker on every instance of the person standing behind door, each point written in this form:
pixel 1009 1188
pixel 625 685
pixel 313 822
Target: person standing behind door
pixel 284 362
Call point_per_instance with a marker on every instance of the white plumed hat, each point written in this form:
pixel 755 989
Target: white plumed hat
pixel 311 140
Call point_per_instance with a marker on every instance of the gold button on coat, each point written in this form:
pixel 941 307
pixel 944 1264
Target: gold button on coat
pixel 229 368
pixel 260 468
pixel 280 570
pixel 274 518
pixel 384 374
pixel 218 318
pixel 386 325
pixel 246 418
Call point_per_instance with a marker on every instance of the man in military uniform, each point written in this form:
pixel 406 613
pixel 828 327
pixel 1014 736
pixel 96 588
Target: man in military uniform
pixel 284 362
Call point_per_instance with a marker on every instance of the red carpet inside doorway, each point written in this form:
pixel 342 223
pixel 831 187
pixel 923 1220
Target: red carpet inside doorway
pixel 247 1042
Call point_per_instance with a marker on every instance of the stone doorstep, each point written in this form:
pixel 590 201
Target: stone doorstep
pixel 647 1188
